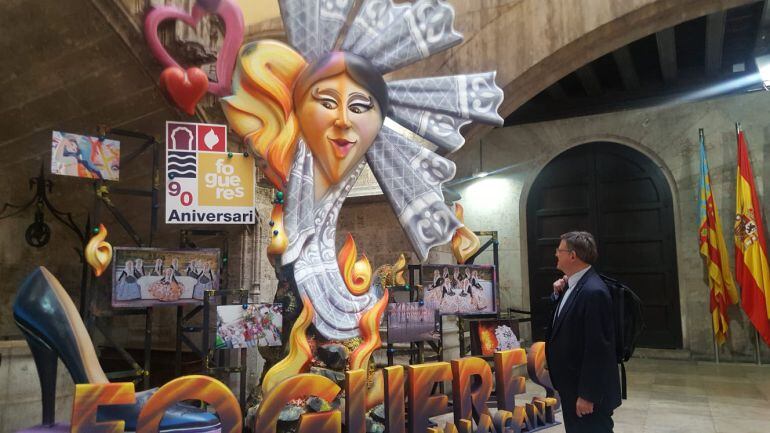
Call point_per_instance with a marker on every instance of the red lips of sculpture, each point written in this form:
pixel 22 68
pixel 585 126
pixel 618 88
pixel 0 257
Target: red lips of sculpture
pixel 185 88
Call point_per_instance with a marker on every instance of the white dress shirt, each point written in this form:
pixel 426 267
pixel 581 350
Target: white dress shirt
pixel 571 283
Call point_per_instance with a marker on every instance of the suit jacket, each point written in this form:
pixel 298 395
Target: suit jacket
pixel 580 347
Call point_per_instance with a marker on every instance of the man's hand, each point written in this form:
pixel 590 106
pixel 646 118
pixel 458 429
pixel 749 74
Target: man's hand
pixel 559 285
pixel 583 407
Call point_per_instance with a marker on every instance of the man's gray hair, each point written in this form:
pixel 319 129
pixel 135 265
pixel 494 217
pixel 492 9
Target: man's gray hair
pixel 583 244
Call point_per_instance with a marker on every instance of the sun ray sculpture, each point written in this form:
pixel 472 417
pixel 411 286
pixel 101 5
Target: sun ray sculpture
pixel 314 113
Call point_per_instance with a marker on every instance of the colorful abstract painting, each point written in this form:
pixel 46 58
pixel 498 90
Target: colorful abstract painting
pixel 85 156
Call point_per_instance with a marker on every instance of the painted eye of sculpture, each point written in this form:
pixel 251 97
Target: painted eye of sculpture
pixel 360 103
pixel 359 108
pixel 329 104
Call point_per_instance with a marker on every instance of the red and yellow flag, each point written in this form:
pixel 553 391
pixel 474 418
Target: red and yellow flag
pixel 714 251
pixel 751 269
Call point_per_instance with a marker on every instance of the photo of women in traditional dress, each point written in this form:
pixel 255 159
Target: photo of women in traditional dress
pixel 257 325
pixel 133 287
pixel 465 289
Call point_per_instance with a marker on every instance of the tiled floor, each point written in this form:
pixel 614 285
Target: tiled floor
pixel 687 396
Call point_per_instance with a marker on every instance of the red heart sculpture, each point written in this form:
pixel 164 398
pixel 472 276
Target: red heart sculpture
pixel 185 88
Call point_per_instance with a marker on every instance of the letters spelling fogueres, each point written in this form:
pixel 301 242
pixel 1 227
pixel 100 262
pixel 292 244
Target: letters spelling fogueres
pixel 469 401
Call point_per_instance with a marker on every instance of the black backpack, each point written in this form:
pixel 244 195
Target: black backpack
pixel 629 323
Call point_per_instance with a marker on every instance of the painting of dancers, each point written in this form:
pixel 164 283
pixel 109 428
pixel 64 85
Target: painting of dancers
pixel 249 325
pixel 144 277
pixel 460 289
pixel 85 156
pixel 412 321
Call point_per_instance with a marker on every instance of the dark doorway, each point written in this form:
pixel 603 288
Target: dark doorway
pixel 621 196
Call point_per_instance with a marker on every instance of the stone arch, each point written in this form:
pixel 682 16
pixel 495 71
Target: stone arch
pixel 534 43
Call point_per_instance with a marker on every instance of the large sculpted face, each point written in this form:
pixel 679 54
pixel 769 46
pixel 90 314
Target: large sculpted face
pixel 339 120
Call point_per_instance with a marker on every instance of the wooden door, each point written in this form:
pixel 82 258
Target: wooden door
pixel 622 198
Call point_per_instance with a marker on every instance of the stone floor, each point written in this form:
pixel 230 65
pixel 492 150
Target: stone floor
pixel 688 396
pixel 676 396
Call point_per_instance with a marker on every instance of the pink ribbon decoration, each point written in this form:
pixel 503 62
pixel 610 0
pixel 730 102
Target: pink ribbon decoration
pixel 231 16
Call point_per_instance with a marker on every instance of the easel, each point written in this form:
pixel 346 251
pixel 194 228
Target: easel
pixel 211 364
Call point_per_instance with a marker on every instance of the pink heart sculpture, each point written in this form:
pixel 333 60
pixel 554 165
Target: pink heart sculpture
pixel 231 16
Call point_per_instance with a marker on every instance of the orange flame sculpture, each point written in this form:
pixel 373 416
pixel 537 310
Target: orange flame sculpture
pixel 369 325
pixel 299 356
pixel 278 239
pixel 98 252
pixel 356 273
pixel 464 242
pixel 399 268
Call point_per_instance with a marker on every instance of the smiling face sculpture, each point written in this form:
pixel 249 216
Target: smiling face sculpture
pixel 340 101
pixel 310 112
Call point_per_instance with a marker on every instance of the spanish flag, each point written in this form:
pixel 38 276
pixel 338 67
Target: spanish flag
pixel 751 268
pixel 714 251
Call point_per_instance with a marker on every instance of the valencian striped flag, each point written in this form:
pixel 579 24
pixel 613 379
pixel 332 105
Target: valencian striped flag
pixel 714 251
pixel 751 268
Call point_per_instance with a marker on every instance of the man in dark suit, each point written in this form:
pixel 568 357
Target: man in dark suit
pixel 580 345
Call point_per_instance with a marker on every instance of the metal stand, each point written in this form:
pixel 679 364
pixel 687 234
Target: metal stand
pixel 494 243
pixel 212 366
pixel 183 327
pixel 103 194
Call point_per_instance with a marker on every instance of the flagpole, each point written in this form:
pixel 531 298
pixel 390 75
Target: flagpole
pixel 702 138
pixel 756 345
pixel 714 339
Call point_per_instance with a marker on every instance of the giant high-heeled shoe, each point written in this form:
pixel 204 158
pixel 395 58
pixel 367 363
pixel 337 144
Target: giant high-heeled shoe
pixel 53 328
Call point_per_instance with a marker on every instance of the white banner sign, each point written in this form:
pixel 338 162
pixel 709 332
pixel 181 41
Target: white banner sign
pixel 204 183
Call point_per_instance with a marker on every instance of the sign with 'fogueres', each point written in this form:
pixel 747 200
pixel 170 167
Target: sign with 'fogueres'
pixel 206 184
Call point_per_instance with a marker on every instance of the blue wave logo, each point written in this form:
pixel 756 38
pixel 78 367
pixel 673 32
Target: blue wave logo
pixel 181 164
